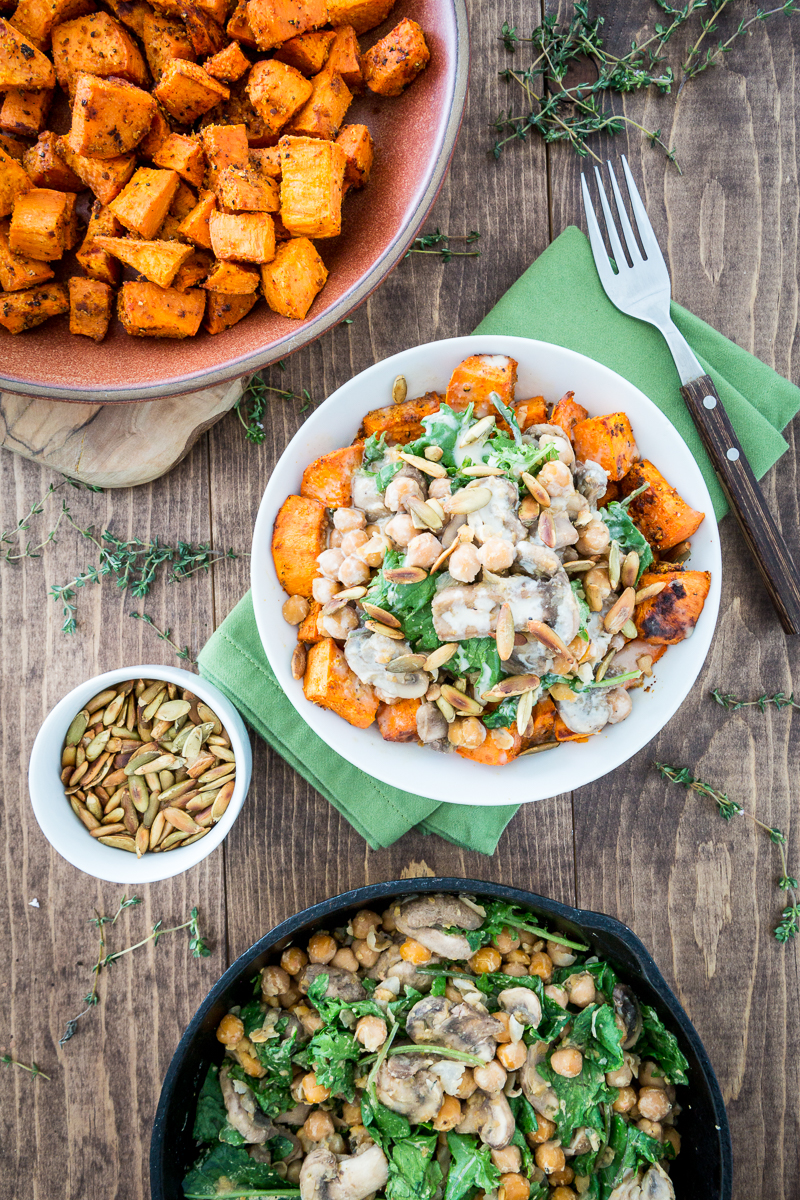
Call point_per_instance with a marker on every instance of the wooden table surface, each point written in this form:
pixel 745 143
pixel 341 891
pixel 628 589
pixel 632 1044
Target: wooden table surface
pixel 700 893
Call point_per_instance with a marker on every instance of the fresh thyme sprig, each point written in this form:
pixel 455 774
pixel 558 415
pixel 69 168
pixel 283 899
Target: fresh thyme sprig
pixel 164 635
pixel 732 703
pixel 789 926
pixel 251 405
pixel 438 243
pixel 197 945
pixel 10 549
pixel 33 1070
pixel 695 63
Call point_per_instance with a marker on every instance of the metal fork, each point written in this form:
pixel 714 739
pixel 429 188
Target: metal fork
pixel 642 290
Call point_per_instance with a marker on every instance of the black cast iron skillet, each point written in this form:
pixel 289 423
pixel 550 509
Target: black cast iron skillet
pixel 704 1166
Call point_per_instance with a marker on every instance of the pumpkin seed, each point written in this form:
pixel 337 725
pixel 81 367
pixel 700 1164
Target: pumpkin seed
pixel 405 575
pixel 446 709
pixel 629 631
pixel 173 709
pixel 406 662
pixel 174 839
pixel 181 820
pixel 101 700
pixel 380 614
pixel 579 566
pixel 440 656
pixel 222 800
pixel 299 661
pixel 528 510
pixel 459 702
pixel 540 749
pixel 97 745
pixel 481 471
pixel 504 632
pixel 629 572
pixel 142 840
pixel 194 838
pixel 141 760
pixel 119 842
pixel 399 390
pixel 77 728
pixel 154 705
pixel 536 489
pixel 207 714
pixel 386 630
pixel 620 612
pixel 193 744
pixel 434 469
pixel 468 500
pixel 524 711
pixel 547 530
pixel 114 709
pixel 424 513
pixel 614 565
pixel 477 431
pixel 549 638
pixel 513 686
pixel 647 593
pixel 158 764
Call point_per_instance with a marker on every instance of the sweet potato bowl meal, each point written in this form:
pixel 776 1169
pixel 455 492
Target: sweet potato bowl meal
pixel 209 141
pixel 485 575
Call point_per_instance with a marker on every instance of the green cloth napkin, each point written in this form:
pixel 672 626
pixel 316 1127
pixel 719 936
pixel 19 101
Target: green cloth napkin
pixel 559 299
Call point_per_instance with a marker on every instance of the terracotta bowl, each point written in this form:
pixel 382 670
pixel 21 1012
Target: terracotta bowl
pixel 414 136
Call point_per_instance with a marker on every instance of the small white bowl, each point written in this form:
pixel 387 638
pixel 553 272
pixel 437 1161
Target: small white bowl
pixel 65 832
pixel 545 370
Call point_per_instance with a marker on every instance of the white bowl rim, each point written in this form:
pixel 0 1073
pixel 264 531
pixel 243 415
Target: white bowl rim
pixel 69 837
pixel 387 768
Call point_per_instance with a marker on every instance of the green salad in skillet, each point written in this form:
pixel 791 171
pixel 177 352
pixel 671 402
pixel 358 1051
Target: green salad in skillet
pixel 444 1050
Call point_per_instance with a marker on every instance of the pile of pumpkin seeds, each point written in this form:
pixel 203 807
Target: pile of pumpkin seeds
pixel 147 766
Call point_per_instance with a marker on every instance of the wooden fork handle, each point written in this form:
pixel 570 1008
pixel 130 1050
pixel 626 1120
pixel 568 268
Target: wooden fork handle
pixel 746 499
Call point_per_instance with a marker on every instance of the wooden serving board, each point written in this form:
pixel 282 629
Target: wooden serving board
pixel 112 445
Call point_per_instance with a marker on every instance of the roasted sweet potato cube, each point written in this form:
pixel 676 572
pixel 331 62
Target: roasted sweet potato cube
pixel 184 155
pixel 205 33
pixel 196 225
pixel 239 27
pixel 607 440
pixel 564 733
pixel 24 310
pixel 143 203
pixel 298 537
pixel 529 412
pixel 398 722
pixel 187 91
pixel 396 60
pixel 193 271
pixel 672 615
pixel 90 305
pixel 345 57
pixel 311 186
pixel 308 630
pixel 21 64
pixel 14 182
pixel 17 271
pixel 322 114
pixel 147 310
pixel 40 224
pixel 330 683
pixel 329 478
pixel 184 201
pixel 109 116
pixel 218 9
pixel 244 191
pixel 493 752
pixel 276 21
pixel 226 146
pixel 361 14
pixel 477 377
pixel 224 309
pixel 294 278
pixel 308 52
pixel 405 417
pixel 99 45
pixel 277 91
pixel 36 19
pixel 567 413
pixel 243 237
pixel 14 147
pixel 131 13
pixel 661 513
pixel 47 168
pixel 233 279
pixel 97 263
pixel 228 64
pixel 164 40
pixel 157 261
pixel 106 177
pixel 158 133
pixel 24 113
pixel 358 148
pixel 266 162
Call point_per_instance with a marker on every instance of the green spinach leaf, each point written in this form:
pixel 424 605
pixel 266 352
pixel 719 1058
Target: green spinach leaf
pixel 386 1125
pixel 409 602
pixel 414 1173
pixel 504 716
pixel 272 1090
pixel 478 656
pixel 236 1165
pixel 595 1033
pixel 374 449
pixel 230 1136
pixel 631 1147
pixel 579 1098
pixel 583 609
pixel 210 1115
pixel 622 529
pixel 471 1167
pixel 657 1043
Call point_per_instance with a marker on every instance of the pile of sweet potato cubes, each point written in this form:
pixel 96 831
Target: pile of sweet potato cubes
pixel 211 139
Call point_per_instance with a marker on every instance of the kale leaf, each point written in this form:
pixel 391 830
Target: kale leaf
pixel 230 1136
pixel 515 459
pixel 509 415
pixel 583 609
pixel 414 1173
pixel 252 1016
pixel 374 449
pixel 657 1043
pixel 238 1167
pixel 625 533
pixel 211 1115
pixel 471 1167
pixel 478 656
pixel 410 603
pixel 443 428
pixel 503 716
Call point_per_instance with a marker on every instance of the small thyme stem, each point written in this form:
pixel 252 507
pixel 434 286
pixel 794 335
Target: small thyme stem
pixel 33 1070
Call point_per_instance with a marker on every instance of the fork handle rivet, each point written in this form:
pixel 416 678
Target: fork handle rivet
pixel 709 402
pixel 732 454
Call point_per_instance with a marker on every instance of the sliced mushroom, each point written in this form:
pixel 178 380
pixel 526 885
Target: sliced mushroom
pixel 652 1184
pixel 328 1176
pixel 295 1116
pixel 369 656
pixel 243 1112
pixel 490 1117
pixel 628 1015
pixel 342 985
pixel 582 1141
pixel 406 1085
pixel 535 1088
pixel 436 911
pixel 390 965
pixel 436 1021
pixel 523 1004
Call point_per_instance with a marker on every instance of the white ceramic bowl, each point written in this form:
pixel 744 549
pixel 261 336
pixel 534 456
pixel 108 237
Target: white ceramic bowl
pixel 545 370
pixel 65 832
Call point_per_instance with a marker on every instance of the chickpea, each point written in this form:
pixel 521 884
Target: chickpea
pixel 347 519
pixel 594 538
pixel 496 554
pixel 274 981
pixel 423 550
pixel 556 478
pixel 372 552
pixel 308 1018
pixel 485 960
pixel 464 563
pixel 448 1116
pixel 543 1133
pixel 507 943
pixel 247 1060
pixel 295 610
pixel 336 538
pixel 651 1075
pixel 400 529
pixel 512 1056
pixel 653 1103
pixel 371 1032
pixel 651 1128
pixel 513 1186
pixel 353 572
pixel 562 1177
pixel 351 1113
pixel 625 1100
pixel 290 998
pixel 365 955
pixel 414 952
pixel 314 1092
pixel 293 960
pixel 541 965
pixel 352 540
pixel 622 1077
pixel 505 1020
pixel 399 491
pixel 468 732
pixel 621 705
pixel 338 624
pixel 318 1125
pixel 438 489
pixel 514 968
pixel 491 1078
pixel 321 948
pixel 466 1085
pixel 567 1062
pixel 597 587
pixel 563 1193
pixel 674 1138
pixel 560 955
pixel 360 1139
pixel 388 921
pixel 329 562
pixel 508 1160
pixel 230 1030
pixel 363 921
pixel 346 959
pixel 555 991
pixel 324 590
pixel 581 988
pixel 562 445
pixel 549 1156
